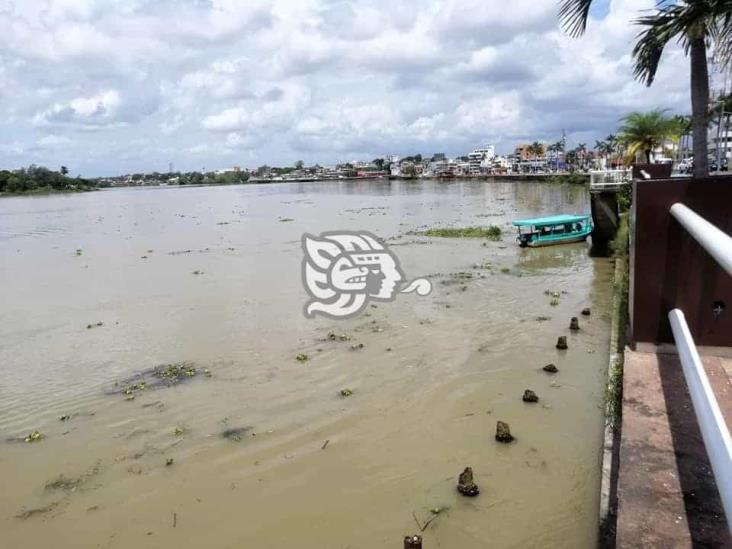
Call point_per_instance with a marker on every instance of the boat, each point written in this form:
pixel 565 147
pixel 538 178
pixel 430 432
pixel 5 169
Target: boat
pixel 555 229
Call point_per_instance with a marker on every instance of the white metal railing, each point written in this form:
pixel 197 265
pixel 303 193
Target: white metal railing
pixel 609 178
pixel 711 422
pixel 712 425
pixel 714 241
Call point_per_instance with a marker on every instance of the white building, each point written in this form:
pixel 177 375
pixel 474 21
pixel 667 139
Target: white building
pixel 720 146
pixel 481 159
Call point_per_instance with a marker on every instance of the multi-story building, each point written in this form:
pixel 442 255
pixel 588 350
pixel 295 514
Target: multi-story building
pixel 720 147
pixel 480 159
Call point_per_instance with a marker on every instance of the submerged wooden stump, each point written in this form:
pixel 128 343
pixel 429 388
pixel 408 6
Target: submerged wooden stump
pixel 586 311
pixel 413 542
pixel 574 323
pixel 503 432
pixel 551 368
pixel 562 343
pixel 530 396
pixel 466 486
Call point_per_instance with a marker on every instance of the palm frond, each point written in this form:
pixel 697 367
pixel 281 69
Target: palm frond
pixel 573 15
pixel 671 21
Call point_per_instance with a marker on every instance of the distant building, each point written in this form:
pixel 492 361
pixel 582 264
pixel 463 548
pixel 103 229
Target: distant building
pixel 721 145
pixel 480 159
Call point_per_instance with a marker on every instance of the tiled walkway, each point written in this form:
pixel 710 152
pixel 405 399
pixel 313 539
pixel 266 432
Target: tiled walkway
pixel 666 491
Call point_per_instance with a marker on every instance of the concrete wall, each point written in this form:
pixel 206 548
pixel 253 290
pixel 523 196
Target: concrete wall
pixel 668 269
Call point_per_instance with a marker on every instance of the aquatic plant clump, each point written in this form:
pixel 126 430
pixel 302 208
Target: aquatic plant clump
pixel 34 436
pixel 491 232
pixel 163 375
pixel 235 434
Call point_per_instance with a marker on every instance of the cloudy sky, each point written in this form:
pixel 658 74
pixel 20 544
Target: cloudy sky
pixel 116 86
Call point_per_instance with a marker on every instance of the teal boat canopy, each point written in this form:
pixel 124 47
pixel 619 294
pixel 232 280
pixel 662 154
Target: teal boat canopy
pixel 550 221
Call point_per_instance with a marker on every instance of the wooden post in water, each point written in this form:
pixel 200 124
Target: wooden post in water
pixel 413 542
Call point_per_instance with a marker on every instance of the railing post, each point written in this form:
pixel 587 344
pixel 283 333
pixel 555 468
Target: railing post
pixel 711 421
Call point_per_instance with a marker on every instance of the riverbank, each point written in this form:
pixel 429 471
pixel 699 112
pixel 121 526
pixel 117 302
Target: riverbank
pixel 563 178
pixel 45 191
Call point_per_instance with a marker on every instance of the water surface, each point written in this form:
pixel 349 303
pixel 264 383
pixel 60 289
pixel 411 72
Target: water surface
pixel 434 375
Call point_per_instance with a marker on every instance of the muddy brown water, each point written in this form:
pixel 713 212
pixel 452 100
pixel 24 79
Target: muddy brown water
pixel 434 375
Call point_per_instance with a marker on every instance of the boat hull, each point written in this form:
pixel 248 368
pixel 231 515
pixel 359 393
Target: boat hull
pixel 554 242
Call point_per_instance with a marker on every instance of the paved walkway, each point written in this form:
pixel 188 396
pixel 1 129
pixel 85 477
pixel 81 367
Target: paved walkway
pixel 666 491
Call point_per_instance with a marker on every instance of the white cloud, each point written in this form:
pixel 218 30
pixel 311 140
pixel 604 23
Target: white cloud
pixel 93 110
pixel 51 141
pixel 272 81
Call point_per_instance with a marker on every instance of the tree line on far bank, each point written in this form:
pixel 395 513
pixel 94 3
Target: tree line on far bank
pixel 39 179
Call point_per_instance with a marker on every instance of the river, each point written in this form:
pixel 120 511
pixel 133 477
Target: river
pixel 211 276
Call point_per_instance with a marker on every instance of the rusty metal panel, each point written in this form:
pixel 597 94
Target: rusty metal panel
pixel 669 269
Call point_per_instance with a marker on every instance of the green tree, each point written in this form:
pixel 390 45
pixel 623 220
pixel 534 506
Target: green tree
pixel 299 165
pixel 695 24
pixel 536 150
pixel 64 171
pixel 644 132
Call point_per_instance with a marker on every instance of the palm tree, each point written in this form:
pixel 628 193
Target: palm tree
pixel 693 23
pixel 644 132
pixel 536 149
pixel 581 154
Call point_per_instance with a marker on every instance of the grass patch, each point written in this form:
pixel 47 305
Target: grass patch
pixel 614 396
pixel 491 232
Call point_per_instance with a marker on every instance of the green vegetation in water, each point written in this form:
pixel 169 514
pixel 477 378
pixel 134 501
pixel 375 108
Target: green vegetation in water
pixel 34 436
pixel 554 302
pixel 332 336
pixel 505 270
pixel 301 357
pixel 178 431
pixel 346 392
pixel 30 513
pixel 64 483
pixel 235 434
pixel 571 179
pixel 164 375
pixel 491 232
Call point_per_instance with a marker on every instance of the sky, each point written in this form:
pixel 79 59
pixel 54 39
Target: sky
pixel 108 87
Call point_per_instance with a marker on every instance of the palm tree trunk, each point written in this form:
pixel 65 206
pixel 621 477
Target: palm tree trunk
pixel 699 104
